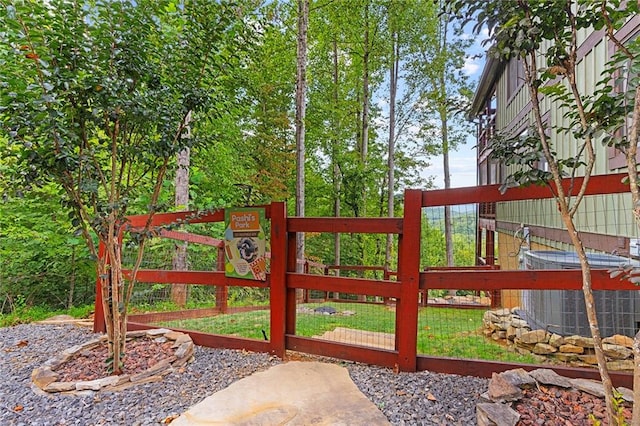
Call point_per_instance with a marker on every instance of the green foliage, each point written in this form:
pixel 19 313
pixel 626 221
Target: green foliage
pixel 97 98
pixel 432 241
pixel 24 314
pixel 43 262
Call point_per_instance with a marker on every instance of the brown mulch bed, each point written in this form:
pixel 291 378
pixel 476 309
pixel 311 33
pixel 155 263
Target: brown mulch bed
pixel 554 406
pixel 90 364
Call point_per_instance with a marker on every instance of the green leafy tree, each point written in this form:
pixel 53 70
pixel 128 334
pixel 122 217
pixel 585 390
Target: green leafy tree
pixel 438 84
pixel 43 262
pixel 544 37
pixel 93 100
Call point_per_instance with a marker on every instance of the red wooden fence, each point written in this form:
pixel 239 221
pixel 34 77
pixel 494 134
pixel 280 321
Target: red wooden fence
pixel 283 281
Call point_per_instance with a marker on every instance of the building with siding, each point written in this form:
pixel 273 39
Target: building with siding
pixel 506 231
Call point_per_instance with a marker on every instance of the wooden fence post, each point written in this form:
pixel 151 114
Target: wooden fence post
pixel 99 325
pixel 222 291
pixel 409 278
pixel 291 293
pixel 277 280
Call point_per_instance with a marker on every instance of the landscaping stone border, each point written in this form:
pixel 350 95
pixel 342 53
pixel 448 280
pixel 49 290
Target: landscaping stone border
pixel 506 326
pixel 505 389
pixel 46 379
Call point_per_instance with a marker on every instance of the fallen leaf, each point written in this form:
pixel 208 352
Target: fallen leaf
pixel 22 343
pixel 430 397
pixel 169 419
pixel 400 392
pixel 18 408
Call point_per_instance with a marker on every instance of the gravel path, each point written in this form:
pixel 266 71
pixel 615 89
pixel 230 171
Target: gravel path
pixel 406 399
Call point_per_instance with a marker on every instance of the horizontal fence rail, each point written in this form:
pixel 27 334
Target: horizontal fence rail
pixel 398 298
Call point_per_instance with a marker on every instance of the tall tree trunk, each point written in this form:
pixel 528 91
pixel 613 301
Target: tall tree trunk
pixel 179 291
pixel 632 167
pixel 444 130
pixel 301 87
pixel 393 83
pixel 364 144
pixel 334 156
pixel 72 278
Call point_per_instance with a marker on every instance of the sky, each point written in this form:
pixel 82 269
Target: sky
pixel 462 163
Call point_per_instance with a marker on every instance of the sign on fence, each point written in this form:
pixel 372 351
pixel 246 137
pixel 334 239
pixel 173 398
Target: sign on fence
pixel 244 243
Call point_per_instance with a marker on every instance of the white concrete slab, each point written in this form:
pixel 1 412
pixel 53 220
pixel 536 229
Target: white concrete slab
pixel 294 393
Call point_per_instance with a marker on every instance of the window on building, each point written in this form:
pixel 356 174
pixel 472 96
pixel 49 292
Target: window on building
pixel 629 33
pixel 515 76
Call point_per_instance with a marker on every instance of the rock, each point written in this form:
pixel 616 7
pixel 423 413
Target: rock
pixel 499 335
pixel 519 323
pixel 522 351
pixel 157 332
pixel 511 332
pixel 571 349
pixel 179 340
pixel 159 369
pixel 496 415
pixel 556 340
pixel 547 376
pixel 519 377
pixel 588 359
pixel 619 339
pixel 490 316
pixel 585 342
pixel 627 394
pixel 184 350
pixel 620 365
pixel 500 389
pixel 617 351
pixel 60 387
pixel 174 335
pixel 503 312
pixel 43 376
pixel 565 357
pixel 96 385
pixel 326 310
pixel 535 336
pixel 592 387
pixel 502 325
pixel 543 349
pixel 74 349
pixel 57 361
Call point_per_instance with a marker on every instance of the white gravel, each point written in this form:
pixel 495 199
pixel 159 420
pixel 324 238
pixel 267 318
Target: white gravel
pixel 422 398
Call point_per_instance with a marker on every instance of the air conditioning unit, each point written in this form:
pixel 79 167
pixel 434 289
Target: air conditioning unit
pixel 564 311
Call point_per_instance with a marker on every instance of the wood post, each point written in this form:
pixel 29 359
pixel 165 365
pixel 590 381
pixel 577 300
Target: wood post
pixel 278 278
pixel 409 277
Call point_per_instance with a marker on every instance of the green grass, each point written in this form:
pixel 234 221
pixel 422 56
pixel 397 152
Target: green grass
pixel 27 314
pixel 445 332
pixel 367 317
pixel 244 324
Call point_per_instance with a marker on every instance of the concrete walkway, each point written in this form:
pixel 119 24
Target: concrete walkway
pixel 294 393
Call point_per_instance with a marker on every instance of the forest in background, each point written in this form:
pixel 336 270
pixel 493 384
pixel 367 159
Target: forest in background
pixel 363 57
